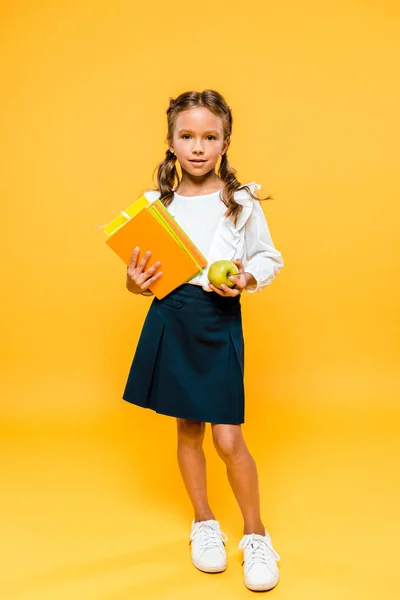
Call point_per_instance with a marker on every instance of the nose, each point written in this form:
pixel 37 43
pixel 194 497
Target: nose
pixel 197 148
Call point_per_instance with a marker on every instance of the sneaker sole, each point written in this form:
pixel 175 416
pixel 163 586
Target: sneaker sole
pixel 262 588
pixel 209 569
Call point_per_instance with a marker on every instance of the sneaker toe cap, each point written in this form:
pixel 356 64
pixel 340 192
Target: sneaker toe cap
pixel 262 576
pixel 213 559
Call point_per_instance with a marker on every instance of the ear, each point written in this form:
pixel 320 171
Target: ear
pixel 225 146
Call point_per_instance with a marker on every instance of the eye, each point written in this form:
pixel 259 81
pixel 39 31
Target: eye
pixel 185 135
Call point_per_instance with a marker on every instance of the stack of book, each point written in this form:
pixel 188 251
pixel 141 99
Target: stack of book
pixel 150 226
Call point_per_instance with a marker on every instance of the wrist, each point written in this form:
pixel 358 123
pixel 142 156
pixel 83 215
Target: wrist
pixel 250 281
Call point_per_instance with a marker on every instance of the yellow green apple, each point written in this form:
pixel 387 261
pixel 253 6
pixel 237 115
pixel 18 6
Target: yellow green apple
pixel 220 271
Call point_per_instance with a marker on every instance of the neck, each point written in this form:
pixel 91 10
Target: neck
pixel 192 184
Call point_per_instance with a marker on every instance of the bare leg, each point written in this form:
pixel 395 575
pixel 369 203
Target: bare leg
pixel 192 464
pixel 242 474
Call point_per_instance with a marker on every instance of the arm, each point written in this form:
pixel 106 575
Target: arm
pixel 263 260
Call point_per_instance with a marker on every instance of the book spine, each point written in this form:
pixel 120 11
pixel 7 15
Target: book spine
pixel 197 256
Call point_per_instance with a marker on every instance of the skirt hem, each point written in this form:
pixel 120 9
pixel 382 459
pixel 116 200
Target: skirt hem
pixel 167 414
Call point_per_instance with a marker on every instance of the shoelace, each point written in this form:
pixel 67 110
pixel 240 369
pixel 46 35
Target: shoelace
pixel 261 550
pixel 212 535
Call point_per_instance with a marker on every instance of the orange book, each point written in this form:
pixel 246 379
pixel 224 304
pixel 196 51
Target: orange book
pixel 153 228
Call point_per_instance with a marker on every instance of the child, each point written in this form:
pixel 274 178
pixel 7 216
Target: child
pixel 189 361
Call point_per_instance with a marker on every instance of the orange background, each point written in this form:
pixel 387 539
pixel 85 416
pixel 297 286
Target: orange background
pixel 93 504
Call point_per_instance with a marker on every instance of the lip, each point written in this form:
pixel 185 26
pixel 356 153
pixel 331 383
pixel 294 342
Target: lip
pixel 197 161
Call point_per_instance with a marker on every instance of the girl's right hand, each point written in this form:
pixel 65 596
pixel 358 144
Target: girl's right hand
pixel 138 280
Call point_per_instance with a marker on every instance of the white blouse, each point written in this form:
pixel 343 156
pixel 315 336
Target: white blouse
pixel 217 237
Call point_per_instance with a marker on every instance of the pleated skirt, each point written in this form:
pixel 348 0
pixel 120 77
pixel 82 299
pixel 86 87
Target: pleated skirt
pixel 189 360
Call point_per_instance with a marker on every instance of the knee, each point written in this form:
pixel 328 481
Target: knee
pixel 190 431
pixel 228 443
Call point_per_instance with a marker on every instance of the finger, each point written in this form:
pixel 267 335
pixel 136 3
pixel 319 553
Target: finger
pixel 215 289
pixel 239 264
pixel 153 268
pixel 237 288
pixel 144 260
pixel 236 281
pixel 233 291
pixel 135 254
pixel 150 281
pixel 143 276
pixel 228 291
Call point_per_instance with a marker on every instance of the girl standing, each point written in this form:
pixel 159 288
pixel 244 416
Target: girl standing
pixel 189 361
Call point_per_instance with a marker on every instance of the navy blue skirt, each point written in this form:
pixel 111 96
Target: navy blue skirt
pixel 189 360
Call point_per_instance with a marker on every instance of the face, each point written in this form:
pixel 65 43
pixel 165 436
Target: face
pixel 198 135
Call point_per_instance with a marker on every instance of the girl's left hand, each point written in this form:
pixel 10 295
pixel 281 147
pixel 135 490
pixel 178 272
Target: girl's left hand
pixel 240 281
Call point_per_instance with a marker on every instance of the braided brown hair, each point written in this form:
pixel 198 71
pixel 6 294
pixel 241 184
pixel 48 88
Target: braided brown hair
pixel 167 173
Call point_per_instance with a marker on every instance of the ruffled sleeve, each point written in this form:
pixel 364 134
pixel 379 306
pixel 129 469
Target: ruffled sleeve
pixel 263 260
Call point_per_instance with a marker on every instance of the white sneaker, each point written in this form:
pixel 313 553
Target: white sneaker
pixel 208 546
pixel 260 569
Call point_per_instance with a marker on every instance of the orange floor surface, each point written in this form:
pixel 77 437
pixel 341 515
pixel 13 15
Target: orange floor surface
pixel 85 517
